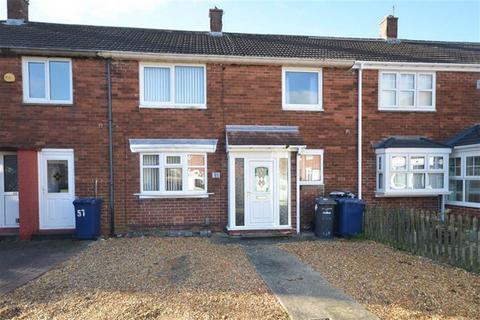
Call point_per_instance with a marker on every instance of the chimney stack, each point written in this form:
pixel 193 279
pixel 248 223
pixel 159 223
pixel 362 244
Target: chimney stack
pixel 216 21
pixel 389 28
pixel 17 10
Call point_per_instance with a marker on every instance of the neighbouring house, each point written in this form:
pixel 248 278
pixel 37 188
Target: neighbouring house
pixel 228 131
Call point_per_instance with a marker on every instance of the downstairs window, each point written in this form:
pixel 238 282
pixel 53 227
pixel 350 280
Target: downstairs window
pixel 173 174
pixel 464 181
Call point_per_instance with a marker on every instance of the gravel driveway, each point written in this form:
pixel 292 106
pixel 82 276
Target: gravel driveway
pixel 393 284
pixel 147 278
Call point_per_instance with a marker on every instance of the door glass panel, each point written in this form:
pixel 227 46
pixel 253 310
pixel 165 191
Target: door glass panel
pixel 283 196
pixel 10 175
pixel 239 192
pixel 57 176
pixel 261 179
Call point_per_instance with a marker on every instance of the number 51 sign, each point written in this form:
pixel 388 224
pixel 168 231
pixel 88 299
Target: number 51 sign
pixel 81 213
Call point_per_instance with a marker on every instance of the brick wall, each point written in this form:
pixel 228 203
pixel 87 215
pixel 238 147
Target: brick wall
pixel 237 94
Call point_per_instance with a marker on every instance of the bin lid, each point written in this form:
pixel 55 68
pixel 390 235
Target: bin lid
pixel 350 200
pixel 324 201
pixel 87 201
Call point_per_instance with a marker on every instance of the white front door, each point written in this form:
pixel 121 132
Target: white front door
pixel 260 187
pixel 57 189
pixel 8 190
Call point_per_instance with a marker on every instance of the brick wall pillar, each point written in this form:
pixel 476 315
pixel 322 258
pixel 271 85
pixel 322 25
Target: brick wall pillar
pixel 28 192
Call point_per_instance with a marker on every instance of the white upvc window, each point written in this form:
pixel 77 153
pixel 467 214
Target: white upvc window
pixel 311 167
pixel 47 80
pixel 406 91
pixel 302 89
pixel 173 86
pixel 173 174
pixel 464 180
pixel 412 172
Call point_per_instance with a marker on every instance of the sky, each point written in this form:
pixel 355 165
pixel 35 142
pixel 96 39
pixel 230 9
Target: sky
pixel 448 20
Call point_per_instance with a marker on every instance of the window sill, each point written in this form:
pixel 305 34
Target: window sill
pixel 172 196
pixel 317 108
pixel 142 106
pixel 409 194
pixel 463 204
pixel 47 104
pixel 307 183
pixel 407 109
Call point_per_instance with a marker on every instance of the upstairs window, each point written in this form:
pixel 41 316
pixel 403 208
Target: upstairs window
pixel 302 89
pixel 47 80
pixel 311 167
pixel 406 91
pixel 172 86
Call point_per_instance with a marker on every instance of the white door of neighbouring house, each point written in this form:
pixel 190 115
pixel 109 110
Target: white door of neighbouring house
pixel 260 193
pixel 9 208
pixel 57 189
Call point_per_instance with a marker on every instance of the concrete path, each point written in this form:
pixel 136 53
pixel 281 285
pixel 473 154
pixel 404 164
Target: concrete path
pixel 301 290
pixel 22 261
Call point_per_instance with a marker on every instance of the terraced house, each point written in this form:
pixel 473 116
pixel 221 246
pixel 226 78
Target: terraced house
pixel 185 130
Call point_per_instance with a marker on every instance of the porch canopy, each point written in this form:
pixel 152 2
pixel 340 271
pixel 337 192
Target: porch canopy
pixel 263 137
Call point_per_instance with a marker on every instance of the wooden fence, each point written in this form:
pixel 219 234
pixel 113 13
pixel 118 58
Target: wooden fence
pixel 449 238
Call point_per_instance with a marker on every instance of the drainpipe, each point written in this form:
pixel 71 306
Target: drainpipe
pixel 359 136
pixel 110 149
pixel 297 167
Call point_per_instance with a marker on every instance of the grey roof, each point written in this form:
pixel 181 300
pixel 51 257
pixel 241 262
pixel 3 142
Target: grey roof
pixel 38 35
pixel 409 142
pixel 264 136
pixel 467 137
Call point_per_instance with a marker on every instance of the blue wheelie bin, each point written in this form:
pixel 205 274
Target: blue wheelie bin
pixel 87 218
pixel 349 217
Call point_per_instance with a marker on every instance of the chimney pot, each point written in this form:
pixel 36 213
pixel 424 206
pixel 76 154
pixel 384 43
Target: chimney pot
pixel 216 20
pixel 389 28
pixel 17 10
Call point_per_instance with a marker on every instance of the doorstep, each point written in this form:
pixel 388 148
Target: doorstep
pixel 63 234
pixel 276 233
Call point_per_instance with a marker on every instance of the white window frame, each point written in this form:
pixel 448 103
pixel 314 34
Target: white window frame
pixel 171 104
pixel 463 153
pixel 26 80
pixel 314 152
pixel 163 165
pixel 388 154
pixel 416 90
pixel 303 107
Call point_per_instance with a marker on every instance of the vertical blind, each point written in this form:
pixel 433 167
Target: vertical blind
pixel 188 88
pixel 189 85
pixel 156 84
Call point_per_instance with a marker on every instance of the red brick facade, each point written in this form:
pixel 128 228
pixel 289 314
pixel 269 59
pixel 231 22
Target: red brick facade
pixel 236 95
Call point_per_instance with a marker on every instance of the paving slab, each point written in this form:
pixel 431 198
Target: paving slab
pixel 303 292
pixel 22 261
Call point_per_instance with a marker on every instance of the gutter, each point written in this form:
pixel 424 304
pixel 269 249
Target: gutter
pixel 110 149
pixel 359 128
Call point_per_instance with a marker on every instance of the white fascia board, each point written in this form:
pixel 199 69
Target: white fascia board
pixel 170 145
pixel 470 147
pixel 413 150
pixel 417 66
pixel 199 58
pixel 246 148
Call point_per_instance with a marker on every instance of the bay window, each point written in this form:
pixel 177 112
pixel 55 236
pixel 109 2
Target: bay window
pixel 411 172
pixel 172 86
pixel 406 91
pixel 464 181
pixel 173 173
pixel 47 80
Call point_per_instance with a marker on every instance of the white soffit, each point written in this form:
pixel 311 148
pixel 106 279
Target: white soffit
pixel 178 145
